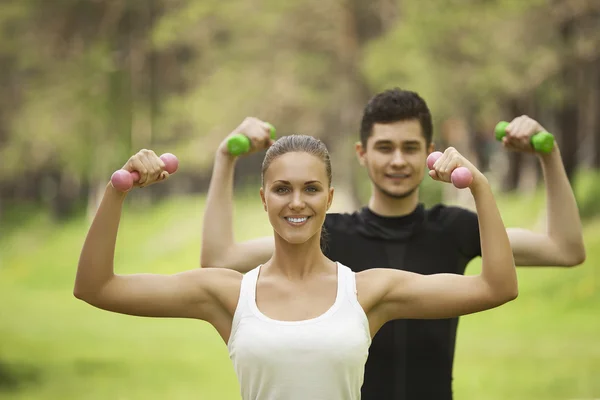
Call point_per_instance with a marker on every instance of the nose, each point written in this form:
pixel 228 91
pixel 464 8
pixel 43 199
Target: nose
pixel 297 201
pixel 397 159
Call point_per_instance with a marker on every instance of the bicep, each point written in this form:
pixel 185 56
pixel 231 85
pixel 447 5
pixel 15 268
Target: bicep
pixel 184 295
pixel 410 295
pixel 533 249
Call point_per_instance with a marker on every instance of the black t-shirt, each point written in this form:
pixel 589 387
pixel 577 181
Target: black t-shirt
pixel 408 359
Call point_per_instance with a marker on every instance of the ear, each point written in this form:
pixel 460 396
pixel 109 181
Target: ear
pixel 262 198
pixel 431 148
pixel 330 198
pixel 360 153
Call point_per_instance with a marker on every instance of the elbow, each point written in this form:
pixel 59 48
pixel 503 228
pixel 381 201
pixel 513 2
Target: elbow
pixel 511 294
pixel 504 297
pixel 206 261
pixel 504 294
pixel 216 259
pixel 79 290
pixel 89 289
pixel 576 258
pixel 81 294
pixel 91 297
pixel 570 253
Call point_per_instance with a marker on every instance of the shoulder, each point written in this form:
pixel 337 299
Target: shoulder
pixel 381 277
pixel 217 282
pixel 201 275
pixel 222 287
pixel 372 285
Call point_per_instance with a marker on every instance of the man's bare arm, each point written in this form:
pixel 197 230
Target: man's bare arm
pixel 219 249
pixel 562 243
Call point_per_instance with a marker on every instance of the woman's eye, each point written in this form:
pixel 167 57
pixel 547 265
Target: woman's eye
pixel 312 189
pixel 281 190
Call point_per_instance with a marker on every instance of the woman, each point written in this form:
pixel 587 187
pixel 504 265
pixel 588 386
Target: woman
pixel 299 326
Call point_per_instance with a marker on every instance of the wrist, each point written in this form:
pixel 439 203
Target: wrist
pixel 549 157
pixel 224 157
pixel 111 191
pixel 480 182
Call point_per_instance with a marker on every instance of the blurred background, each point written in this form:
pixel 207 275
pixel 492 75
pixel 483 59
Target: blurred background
pixel 87 83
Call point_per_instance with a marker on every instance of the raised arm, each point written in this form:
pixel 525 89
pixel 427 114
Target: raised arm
pixel 202 294
pixel 388 294
pixel 562 242
pixel 219 248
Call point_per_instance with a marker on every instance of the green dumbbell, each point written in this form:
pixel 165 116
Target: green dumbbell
pixel 542 142
pixel 239 144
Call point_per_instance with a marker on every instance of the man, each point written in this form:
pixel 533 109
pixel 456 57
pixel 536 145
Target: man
pixel 409 359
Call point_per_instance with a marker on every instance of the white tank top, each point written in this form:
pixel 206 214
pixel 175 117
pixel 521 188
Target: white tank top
pixel 322 358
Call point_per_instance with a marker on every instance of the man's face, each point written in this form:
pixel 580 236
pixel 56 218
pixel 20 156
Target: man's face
pixel 395 157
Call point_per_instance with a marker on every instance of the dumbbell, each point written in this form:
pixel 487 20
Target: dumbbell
pixel 542 142
pixel 123 180
pixel 239 143
pixel 461 177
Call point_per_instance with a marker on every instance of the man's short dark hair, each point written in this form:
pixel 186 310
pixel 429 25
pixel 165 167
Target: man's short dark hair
pixel 395 105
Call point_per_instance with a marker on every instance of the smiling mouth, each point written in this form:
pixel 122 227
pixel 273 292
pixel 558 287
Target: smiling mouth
pixel 398 176
pixel 296 220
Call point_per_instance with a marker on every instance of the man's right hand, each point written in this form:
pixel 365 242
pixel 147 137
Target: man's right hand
pixel 259 133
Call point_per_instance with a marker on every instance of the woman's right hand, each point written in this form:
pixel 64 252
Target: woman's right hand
pixel 258 131
pixel 444 166
pixel 149 166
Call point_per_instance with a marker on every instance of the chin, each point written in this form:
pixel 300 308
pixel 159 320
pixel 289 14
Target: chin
pixel 398 192
pixel 296 237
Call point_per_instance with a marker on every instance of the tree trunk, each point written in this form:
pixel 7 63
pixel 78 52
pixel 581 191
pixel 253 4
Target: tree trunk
pixel 568 122
pixel 594 109
pixel 361 22
pixel 345 117
pixel 67 194
pixel 96 191
pixel 568 115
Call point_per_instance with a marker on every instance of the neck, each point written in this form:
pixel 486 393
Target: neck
pixel 296 261
pixel 388 206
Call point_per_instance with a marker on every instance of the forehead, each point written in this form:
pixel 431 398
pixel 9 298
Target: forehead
pixel 296 167
pixel 397 132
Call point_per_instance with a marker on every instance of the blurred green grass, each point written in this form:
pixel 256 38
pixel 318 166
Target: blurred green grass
pixel 545 345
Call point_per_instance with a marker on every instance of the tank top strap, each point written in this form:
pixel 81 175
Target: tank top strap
pixel 347 278
pixel 248 289
pixel 247 296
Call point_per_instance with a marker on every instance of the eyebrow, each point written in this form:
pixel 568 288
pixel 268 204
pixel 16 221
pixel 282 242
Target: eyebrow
pixel 289 183
pixel 380 142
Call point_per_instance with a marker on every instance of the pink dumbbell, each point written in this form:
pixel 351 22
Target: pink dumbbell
pixel 123 180
pixel 461 177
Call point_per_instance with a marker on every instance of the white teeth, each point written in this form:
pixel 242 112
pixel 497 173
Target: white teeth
pixel 297 220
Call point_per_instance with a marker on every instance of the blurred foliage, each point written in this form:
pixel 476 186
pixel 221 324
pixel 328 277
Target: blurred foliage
pixel 87 83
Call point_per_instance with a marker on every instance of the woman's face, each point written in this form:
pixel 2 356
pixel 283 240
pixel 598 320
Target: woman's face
pixel 296 196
